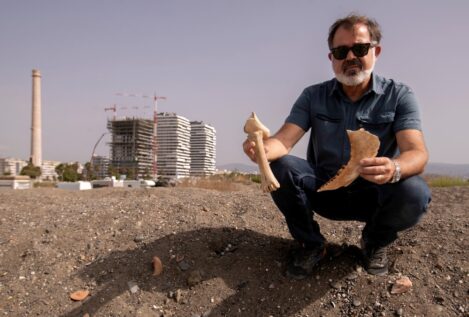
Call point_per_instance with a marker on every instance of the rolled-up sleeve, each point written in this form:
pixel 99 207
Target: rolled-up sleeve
pixel 407 112
pixel 300 112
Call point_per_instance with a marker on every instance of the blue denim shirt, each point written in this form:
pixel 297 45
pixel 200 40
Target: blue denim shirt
pixel 386 108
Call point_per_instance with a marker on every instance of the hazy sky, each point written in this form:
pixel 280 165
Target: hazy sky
pixel 215 61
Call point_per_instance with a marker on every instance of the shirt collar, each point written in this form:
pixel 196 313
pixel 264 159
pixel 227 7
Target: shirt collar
pixel 376 84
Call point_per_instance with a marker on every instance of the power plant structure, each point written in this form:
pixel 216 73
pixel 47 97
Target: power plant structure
pixel 182 148
pixel 36 126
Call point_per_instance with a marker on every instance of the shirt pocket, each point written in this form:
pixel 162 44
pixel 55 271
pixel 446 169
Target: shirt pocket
pixel 377 121
pixel 380 124
pixel 327 140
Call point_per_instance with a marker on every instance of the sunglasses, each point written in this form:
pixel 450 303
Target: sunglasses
pixel 359 50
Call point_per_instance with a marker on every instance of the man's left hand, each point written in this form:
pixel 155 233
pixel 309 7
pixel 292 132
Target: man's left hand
pixel 378 170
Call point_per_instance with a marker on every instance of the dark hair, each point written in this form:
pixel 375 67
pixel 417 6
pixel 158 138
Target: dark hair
pixel 349 21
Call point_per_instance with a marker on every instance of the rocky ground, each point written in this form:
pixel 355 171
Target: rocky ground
pixel 222 254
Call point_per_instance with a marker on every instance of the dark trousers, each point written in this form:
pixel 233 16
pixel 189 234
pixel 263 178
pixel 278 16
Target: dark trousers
pixel 385 209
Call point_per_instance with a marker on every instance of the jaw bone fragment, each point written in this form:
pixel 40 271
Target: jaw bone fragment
pixel 257 132
pixel 362 145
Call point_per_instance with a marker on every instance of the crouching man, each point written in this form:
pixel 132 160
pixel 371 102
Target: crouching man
pixel 389 196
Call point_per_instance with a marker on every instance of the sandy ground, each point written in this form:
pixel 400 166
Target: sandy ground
pixel 223 254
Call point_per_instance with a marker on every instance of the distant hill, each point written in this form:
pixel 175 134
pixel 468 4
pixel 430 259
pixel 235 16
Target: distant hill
pixel 460 170
pixel 240 167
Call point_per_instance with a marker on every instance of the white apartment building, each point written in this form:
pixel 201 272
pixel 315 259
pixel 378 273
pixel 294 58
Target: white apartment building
pixel 11 166
pixel 203 142
pixel 173 135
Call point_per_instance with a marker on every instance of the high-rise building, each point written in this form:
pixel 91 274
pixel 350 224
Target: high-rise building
pixel 203 141
pixel 131 146
pixel 173 142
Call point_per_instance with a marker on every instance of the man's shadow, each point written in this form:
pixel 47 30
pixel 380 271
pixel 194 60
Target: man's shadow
pixel 249 263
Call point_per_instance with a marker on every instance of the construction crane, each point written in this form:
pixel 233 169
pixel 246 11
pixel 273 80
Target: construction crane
pixel 112 108
pixel 155 98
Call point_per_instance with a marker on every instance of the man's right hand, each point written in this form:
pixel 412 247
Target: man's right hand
pixel 249 149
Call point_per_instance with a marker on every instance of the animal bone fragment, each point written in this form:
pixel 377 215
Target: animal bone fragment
pixel 257 132
pixel 362 145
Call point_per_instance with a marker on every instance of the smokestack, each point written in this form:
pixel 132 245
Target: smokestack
pixel 36 129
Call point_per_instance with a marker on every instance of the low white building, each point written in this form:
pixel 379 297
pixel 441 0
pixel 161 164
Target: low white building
pixel 11 166
pixel 16 182
pixel 48 170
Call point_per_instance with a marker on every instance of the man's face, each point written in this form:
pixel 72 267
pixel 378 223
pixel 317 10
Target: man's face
pixel 353 70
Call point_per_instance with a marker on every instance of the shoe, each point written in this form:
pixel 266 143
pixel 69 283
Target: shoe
pixel 376 259
pixel 301 262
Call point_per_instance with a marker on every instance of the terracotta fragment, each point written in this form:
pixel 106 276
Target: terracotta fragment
pixel 79 295
pixel 401 285
pixel 157 266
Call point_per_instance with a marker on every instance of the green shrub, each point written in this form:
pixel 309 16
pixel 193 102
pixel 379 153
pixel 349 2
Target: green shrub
pixel 255 178
pixel 447 181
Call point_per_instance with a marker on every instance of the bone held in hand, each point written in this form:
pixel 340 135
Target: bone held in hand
pixel 257 133
pixel 362 145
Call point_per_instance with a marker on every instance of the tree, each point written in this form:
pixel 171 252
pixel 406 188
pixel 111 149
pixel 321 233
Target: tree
pixel 113 171
pixel 59 169
pixel 67 172
pixel 89 171
pixel 31 171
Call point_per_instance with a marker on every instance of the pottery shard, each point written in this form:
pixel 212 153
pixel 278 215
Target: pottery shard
pixel 401 285
pixel 79 295
pixel 157 266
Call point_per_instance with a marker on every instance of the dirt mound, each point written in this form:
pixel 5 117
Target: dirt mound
pixel 222 255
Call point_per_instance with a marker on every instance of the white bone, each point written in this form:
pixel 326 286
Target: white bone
pixel 257 133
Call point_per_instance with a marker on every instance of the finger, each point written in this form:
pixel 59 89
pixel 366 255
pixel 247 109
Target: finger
pixel 371 161
pixel 248 145
pixel 374 170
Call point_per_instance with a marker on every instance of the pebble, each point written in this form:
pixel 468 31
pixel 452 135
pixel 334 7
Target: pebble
pixel 178 296
pixel 356 302
pixel 351 276
pixel 184 265
pixel 336 285
pixel 195 277
pixel 133 287
pixel 399 312
pixel 139 238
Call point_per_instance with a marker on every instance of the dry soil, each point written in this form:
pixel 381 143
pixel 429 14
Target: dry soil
pixel 223 254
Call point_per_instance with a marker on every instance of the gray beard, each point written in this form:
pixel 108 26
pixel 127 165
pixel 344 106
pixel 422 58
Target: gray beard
pixel 354 80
